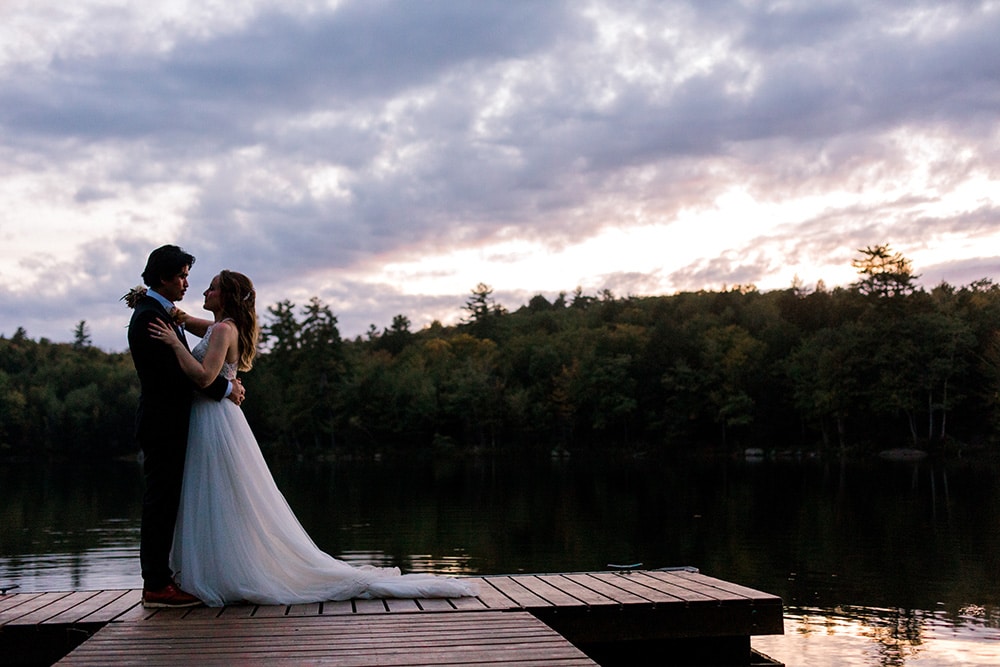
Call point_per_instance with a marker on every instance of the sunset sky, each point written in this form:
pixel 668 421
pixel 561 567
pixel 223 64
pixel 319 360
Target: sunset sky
pixel 388 156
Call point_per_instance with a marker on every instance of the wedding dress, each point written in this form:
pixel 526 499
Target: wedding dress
pixel 237 539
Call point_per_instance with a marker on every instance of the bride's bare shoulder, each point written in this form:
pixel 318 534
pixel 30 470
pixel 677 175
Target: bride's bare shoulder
pixel 225 329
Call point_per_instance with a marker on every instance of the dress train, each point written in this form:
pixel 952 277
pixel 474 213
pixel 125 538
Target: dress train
pixel 237 539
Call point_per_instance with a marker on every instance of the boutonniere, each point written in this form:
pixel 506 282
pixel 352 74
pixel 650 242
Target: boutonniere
pixel 133 296
pixel 179 316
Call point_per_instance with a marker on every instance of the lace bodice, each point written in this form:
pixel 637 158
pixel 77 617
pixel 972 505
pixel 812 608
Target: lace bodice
pixel 201 349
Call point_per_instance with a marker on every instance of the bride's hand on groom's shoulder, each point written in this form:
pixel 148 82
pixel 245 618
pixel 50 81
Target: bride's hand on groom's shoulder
pixel 159 330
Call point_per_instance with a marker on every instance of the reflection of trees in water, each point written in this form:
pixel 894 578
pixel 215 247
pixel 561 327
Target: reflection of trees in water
pixel 897 636
pixel 68 507
pixel 880 534
pixel 845 544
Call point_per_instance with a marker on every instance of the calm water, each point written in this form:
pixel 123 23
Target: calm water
pixel 878 563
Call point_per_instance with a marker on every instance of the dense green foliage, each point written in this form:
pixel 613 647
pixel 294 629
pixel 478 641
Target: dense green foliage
pixel 65 398
pixel 878 364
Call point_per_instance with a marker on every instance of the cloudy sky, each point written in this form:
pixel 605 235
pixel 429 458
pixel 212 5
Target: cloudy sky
pixel 388 156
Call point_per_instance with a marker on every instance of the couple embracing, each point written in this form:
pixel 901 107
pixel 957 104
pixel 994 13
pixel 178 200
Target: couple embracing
pixel 215 528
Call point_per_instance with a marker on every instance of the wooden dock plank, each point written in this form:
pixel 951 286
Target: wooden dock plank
pixel 122 609
pixel 198 613
pixel 271 611
pixel 170 614
pixel 485 638
pixel 578 591
pixel 547 591
pixel 370 606
pixel 338 607
pixel 310 609
pixel 521 596
pixel 28 612
pixel 63 605
pixel 599 584
pixel 467 604
pixel 700 585
pixel 727 587
pixel 352 638
pixel 55 608
pixel 723 592
pixel 424 626
pixel 492 597
pixel 401 606
pixel 242 610
pixel 435 604
pixel 670 584
pixel 88 606
pixel 635 585
pixel 14 599
pixel 129 608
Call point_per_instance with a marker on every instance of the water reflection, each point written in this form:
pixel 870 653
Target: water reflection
pixel 84 558
pixel 886 637
pixel 457 564
pixel 879 563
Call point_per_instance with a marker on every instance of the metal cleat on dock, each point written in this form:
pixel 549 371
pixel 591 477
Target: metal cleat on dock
pixel 624 569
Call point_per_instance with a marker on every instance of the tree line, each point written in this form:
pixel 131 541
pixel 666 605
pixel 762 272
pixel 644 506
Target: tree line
pixel 880 363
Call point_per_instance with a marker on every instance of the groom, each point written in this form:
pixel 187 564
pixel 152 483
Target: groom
pixel 162 421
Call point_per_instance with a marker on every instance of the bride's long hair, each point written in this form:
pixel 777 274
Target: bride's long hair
pixel 239 302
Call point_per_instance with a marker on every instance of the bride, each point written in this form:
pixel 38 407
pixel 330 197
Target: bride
pixel 236 538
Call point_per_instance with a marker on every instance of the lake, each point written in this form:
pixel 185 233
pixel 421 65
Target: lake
pixel 877 562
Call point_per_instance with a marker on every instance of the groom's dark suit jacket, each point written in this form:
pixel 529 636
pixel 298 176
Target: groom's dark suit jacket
pixel 161 430
pixel 165 400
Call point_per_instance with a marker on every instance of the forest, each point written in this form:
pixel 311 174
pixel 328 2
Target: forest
pixel 878 364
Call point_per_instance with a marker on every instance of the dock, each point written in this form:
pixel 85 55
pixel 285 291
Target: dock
pixel 674 616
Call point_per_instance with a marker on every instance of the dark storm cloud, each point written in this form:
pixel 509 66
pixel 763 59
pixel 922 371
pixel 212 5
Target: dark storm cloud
pixel 220 86
pixel 364 49
pixel 446 124
pixel 224 92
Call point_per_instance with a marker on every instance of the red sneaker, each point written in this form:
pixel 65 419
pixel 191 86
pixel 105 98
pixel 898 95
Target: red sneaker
pixel 168 597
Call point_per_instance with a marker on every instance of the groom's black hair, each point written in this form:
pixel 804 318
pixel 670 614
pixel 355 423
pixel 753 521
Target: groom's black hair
pixel 164 263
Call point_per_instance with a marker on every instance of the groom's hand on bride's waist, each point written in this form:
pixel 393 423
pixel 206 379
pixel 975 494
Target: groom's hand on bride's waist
pixel 238 393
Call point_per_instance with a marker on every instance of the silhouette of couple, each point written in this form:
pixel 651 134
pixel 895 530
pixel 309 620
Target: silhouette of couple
pixel 215 528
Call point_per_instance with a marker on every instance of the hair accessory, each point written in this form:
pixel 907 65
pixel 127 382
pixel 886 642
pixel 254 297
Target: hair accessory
pixel 248 295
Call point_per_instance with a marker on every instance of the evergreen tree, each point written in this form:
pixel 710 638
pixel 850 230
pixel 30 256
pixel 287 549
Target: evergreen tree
pixel 81 335
pixel 883 272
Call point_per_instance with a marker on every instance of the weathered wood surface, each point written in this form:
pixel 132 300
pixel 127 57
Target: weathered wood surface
pixel 641 591
pixel 83 607
pixel 357 640
pixel 586 608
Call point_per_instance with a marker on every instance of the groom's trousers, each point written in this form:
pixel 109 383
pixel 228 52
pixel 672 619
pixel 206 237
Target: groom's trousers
pixel 163 470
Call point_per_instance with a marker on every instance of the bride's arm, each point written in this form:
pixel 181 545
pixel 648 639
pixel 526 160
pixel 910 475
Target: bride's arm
pixel 202 373
pixel 195 325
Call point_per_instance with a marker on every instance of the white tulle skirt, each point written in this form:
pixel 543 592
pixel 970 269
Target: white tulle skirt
pixel 238 540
